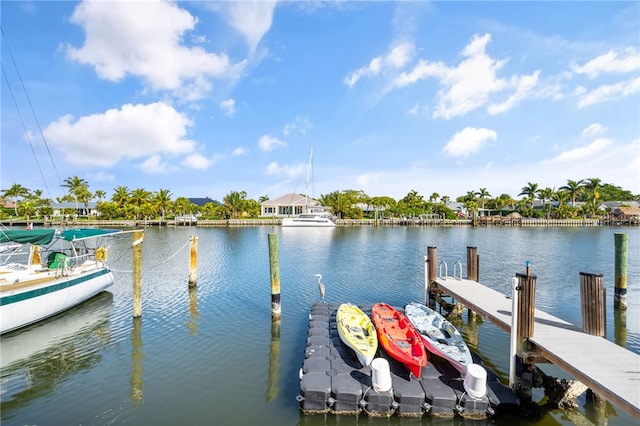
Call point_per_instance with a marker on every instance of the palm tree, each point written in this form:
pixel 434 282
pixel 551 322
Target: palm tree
pixel 75 187
pixel 483 193
pixel 469 196
pixel 162 199
pixel 120 196
pixel 592 185
pixel 529 191
pixel 100 194
pixel 139 197
pixel 235 202
pixel 433 198
pixel 544 195
pixel 263 198
pixel 573 188
pixel 14 192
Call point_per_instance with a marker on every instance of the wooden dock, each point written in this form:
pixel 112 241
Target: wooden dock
pixel 609 370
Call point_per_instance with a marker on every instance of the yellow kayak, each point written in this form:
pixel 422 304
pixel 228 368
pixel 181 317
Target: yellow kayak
pixel 357 332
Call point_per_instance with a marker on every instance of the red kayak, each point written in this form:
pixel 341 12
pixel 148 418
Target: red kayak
pixel 399 338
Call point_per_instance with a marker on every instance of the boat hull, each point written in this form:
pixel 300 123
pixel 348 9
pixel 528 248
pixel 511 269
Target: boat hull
pixel 398 337
pixel 357 332
pixel 33 303
pixel 306 222
pixel 439 336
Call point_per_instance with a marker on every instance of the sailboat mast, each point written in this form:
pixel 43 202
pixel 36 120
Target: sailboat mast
pixel 306 186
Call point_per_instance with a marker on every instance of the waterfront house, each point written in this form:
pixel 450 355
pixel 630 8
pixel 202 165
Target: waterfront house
pixel 289 205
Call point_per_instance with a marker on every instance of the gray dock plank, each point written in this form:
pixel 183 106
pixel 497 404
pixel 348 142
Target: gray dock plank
pixel 610 370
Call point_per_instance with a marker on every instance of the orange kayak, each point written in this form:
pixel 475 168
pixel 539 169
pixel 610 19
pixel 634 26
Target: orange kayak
pixel 399 337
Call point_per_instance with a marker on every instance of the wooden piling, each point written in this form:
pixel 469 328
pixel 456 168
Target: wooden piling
pixel 432 261
pixel 592 297
pixel 473 272
pixel 193 261
pixel 274 268
pixel 526 305
pixel 138 239
pixel 620 291
pixel 473 261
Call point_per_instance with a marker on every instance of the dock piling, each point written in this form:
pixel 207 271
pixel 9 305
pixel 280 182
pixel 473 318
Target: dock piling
pixel 274 268
pixel 431 264
pixel 138 239
pixel 193 261
pixel 620 292
pixel 525 311
pixel 473 272
pixel 513 351
pixel 473 261
pixel 592 297
pixel 526 305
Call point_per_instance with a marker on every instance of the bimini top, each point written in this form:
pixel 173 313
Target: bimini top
pixel 45 236
pixel 22 236
pixel 81 233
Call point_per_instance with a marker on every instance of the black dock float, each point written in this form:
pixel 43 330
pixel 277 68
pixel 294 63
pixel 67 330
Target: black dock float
pixel 333 381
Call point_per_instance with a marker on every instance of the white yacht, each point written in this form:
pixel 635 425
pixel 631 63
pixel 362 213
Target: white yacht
pixel 312 215
pixel 310 219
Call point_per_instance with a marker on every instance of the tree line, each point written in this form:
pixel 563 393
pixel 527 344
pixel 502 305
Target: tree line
pixel 576 198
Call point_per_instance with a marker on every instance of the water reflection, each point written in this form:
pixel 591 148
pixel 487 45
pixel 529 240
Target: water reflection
pixel 136 361
pixel 35 359
pixel 192 324
pixel 274 361
pixel 620 327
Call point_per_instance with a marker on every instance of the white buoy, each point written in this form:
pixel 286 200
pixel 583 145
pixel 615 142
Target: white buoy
pixel 475 382
pixel 381 375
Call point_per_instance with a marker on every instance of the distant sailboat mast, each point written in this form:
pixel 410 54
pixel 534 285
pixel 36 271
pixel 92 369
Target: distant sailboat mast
pixel 306 186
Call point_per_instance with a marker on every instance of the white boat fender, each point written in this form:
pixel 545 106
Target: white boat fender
pixel 475 381
pixel 381 375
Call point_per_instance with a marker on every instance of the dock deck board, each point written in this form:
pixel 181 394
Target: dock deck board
pixel 610 370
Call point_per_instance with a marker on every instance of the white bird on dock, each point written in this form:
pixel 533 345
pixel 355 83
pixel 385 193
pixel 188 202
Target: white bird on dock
pixel 320 284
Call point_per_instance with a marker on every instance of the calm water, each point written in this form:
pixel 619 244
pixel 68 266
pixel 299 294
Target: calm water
pixel 212 356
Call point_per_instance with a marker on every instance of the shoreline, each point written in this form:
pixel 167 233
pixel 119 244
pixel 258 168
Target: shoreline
pixel 505 222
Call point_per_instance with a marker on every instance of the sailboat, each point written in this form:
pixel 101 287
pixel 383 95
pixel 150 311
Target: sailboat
pixel 314 215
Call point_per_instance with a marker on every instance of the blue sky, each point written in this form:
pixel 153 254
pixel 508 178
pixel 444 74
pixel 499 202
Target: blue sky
pixel 205 98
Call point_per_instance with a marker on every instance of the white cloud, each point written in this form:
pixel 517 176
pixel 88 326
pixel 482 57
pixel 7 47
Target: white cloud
pixel 300 125
pixel 610 62
pixel 102 176
pixel 470 84
pixel 119 43
pixel 397 58
pixel 228 106
pixel 418 109
pixel 196 161
pixel 239 151
pixel 609 92
pixel 578 154
pixel 154 165
pixel 290 171
pixel 134 131
pixel 468 141
pixel 252 19
pixel 523 86
pixel 269 143
pixel 594 129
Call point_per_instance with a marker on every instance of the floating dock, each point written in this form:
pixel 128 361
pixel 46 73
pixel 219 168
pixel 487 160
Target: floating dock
pixel 333 381
pixel 608 369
